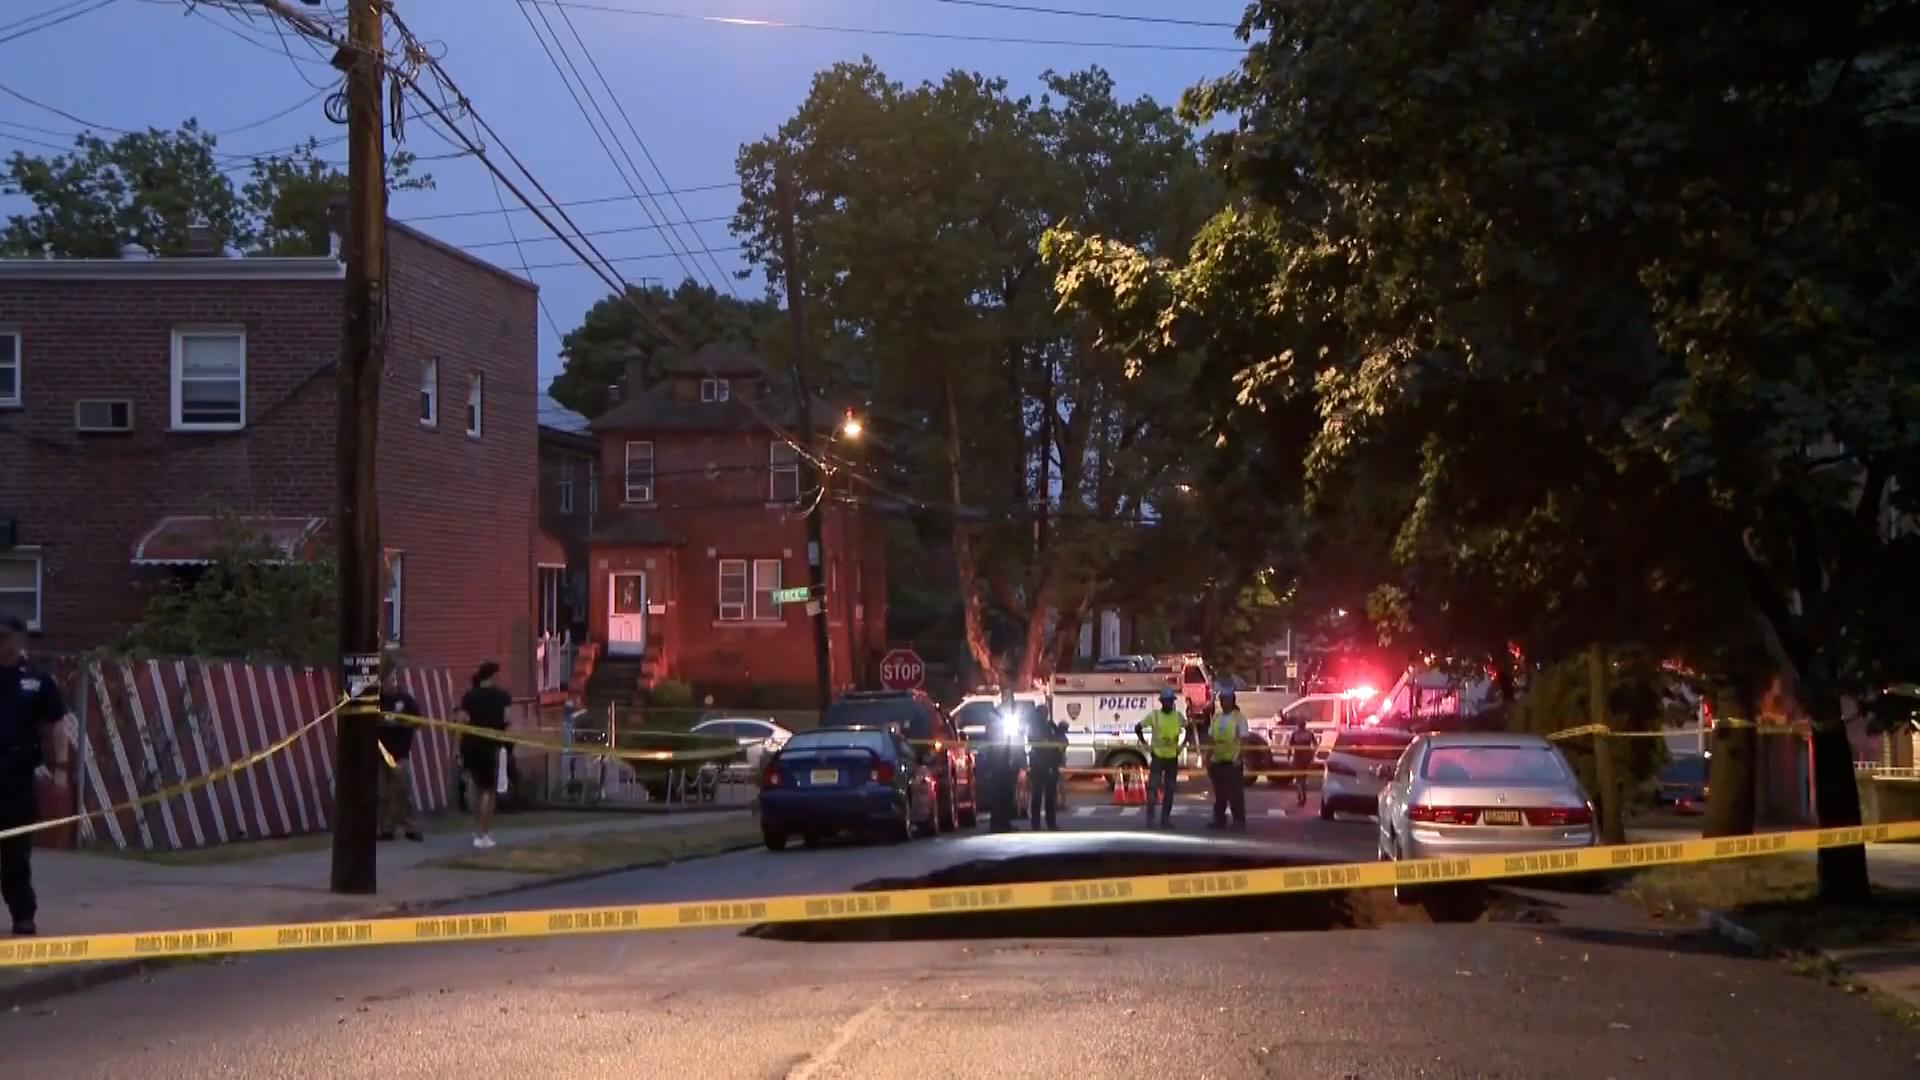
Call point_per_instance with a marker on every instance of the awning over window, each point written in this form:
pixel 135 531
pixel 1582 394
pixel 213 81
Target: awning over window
pixel 189 540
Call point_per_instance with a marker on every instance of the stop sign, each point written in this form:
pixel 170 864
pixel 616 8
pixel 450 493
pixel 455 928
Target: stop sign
pixel 902 669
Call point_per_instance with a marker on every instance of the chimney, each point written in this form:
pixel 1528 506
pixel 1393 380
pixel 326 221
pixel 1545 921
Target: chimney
pixel 204 242
pixel 633 368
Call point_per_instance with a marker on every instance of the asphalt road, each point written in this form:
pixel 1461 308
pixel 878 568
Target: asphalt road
pixel 1586 990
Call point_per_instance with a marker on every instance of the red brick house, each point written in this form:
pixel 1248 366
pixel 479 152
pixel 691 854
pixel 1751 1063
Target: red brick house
pixel 702 521
pixel 139 395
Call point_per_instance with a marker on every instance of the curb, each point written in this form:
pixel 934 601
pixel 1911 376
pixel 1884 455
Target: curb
pixel 64 982
pixel 1735 933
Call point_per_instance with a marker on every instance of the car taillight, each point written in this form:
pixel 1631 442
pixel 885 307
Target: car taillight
pixel 1443 815
pixel 1340 768
pixel 769 777
pixel 1553 816
pixel 883 772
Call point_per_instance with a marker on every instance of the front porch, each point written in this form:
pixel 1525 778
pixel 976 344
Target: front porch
pixel 631 568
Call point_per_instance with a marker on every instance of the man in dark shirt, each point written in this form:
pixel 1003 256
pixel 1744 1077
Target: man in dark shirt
pixel 1046 752
pixel 484 759
pixel 396 736
pixel 31 743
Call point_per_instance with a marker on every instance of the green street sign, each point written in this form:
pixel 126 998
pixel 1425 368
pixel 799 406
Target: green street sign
pixel 792 596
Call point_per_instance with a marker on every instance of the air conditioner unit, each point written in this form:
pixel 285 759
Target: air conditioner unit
pixel 103 414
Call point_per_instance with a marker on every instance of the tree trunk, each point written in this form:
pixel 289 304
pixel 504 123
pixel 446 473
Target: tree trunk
pixel 964 567
pixel 1731 806
pixel 1836 804
pixel 1613 818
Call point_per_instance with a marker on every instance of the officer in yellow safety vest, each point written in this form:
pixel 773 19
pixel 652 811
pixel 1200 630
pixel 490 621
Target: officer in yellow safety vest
pixel 1227 733
pixel 1161 731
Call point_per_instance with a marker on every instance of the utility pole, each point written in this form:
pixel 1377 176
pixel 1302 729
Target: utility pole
pixel 356 508
pixel 816 546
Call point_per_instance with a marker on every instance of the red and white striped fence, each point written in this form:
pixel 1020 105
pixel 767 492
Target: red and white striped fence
pixel 151 724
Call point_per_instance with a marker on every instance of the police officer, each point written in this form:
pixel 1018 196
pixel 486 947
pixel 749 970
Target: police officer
pixel 32 743
pixel 396 736
pixel 1046 752
pixel 1008 755
pixel 1161 731
pixel 1227 731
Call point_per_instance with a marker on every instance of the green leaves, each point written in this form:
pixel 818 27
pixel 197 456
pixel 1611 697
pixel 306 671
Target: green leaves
pixel 596 350
pixel 148 188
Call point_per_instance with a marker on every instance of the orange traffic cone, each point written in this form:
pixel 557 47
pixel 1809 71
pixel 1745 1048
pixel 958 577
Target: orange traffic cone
pixel 1122 788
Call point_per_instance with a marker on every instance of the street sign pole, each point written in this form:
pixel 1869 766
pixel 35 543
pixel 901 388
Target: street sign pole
pixel 803 401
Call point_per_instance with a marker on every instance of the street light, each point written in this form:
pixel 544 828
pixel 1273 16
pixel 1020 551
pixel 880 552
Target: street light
pixel 851 427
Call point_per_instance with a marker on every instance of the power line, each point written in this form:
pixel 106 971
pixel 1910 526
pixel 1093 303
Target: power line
pixel 871 31
pixel 68 17
pixel 451 214
pixel 635 132
pixel 1114 16
pixel 608 150
pixel 590 232
pixel 618 259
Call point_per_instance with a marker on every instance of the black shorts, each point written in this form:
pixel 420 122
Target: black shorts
pixel 481 760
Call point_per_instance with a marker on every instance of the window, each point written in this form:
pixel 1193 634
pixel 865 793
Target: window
pixel 593 489
pixel 430 393
pixel 783 473
pixel 639 472
pixel 475 390
pixel 565 487
pixel 209 380
pixel 1486 764
pixel 733 590
pixel 715 390
pixel 20 588
pixel 766 582
pixel 9 367
pixel 390 602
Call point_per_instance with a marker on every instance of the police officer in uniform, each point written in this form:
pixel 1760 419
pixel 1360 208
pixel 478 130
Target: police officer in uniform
pixel 1046 752
pixel 1007 755
pixel 1163 731
pixel 32 743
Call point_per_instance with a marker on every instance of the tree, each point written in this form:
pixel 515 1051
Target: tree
pixel 595 351
pixel 1613 299
pixel 920 212
pixel 148 187
pixel 249 603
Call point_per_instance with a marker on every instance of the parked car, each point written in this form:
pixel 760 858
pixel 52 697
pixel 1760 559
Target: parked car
pixel 1682 785
pixel 931 732
pixel 1355 774
pixel 861 780
pixel 756 737
pixel 1482 793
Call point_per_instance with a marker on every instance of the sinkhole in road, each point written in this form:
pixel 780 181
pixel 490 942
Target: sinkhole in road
pixel 1339 909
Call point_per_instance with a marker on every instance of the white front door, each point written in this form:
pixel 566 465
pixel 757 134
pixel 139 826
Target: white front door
pixel 627 614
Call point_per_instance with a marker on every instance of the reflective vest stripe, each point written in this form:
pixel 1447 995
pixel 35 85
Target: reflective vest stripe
pixel 1225 734
pixel 1166 733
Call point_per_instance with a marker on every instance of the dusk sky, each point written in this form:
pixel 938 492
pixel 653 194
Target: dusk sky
pixel 695 91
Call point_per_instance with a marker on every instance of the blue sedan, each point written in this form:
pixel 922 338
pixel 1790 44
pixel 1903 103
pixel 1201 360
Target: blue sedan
pixel 862 780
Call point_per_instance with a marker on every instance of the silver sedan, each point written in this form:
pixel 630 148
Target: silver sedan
pixel 1482 793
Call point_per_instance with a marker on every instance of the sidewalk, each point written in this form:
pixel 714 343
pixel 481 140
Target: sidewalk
pixel 1891 967
pixel 83 893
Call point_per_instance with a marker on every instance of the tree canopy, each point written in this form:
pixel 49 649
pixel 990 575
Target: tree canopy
pixel 1604 315
pixel 148 188
pixel 595 350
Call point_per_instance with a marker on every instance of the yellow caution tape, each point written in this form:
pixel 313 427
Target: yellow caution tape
pixel 610 753
pixel 895 903
pixel 182 788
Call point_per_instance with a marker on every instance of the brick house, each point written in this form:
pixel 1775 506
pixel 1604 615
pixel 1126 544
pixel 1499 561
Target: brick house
pixel 702 522
pixel 569 508
pixel 140 395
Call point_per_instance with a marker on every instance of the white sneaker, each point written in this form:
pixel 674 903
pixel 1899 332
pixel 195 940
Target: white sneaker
pixel 486 841
pixel 481 842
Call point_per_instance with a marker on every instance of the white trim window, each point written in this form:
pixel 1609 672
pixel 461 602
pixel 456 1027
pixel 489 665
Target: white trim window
pixel 20 580
pixel 210 379
pixel 733 590
pixel 766 582
pixel 430 393
pixel 783 472
pixel 476 402
pixel 393 598
pixel 563 489
pixel 639 474
pixel 10 392
pixel 552 582
pixel 715 390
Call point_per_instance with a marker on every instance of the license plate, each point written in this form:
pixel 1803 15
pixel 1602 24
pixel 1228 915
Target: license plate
pixel 1502 817
pixel 823 777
